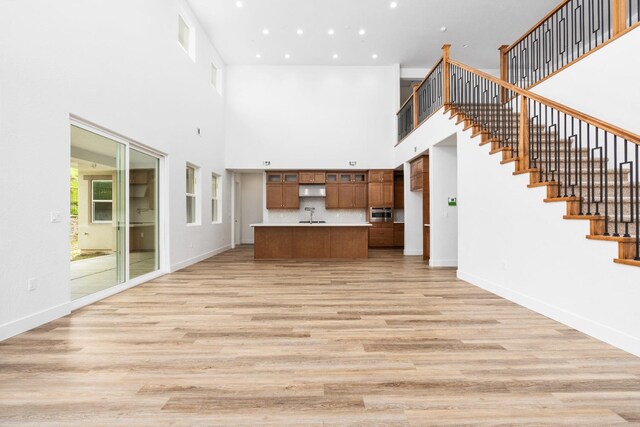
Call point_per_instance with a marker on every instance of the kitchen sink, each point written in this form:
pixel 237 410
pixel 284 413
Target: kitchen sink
pixel 312 222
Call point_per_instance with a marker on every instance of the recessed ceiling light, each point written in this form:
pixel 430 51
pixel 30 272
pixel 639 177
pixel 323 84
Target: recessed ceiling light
pixel 238 4
pixel 300 32
pixel 287 56
pixel 374 56
pixel 258 56
pixel 265 31
pixel 335 56
pixel 331 32
pixel 393 4
pixel 443 29
pixel 362 32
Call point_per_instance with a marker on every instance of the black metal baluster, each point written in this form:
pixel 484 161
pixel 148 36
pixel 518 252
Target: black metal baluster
pixel 606 184
pixel 637 187
pixel 615 186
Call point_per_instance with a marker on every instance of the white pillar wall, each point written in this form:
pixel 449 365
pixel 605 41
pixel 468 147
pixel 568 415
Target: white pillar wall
pixel 412 216
pixel 443 179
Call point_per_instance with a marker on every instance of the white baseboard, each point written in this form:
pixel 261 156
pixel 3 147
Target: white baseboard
pixel 106 293
pixel 443 262
pixel 597 330
pixel 412 252
pixel 31 321
pixel 194 260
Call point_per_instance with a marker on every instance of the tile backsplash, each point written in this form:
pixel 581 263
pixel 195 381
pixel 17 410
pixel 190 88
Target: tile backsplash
pixel 332 216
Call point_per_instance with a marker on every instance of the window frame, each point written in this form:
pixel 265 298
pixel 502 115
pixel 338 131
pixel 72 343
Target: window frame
pixel 195 195
pixel 190 49
pixel 94 201
pixel 216 214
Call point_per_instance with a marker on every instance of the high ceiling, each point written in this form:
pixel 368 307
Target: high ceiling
pixel 409 34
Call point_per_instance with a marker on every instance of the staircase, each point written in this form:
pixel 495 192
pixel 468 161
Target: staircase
pixel 590 166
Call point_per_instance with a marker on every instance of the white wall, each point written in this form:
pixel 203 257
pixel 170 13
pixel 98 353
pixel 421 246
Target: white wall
pixel 603 84
pixel 443 184
pixel 115 63
pixel 306 117
pixel 251 201
pixel 513 244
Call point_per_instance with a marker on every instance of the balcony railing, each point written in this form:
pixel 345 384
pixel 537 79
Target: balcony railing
pixel 427 98
pixel 570 31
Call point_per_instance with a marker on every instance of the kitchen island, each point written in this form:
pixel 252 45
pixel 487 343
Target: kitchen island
pixel 311 241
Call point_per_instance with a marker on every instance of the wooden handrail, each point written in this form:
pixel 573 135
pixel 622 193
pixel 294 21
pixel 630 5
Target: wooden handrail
pixel 630 136
pixel 532 29
pixel 405 104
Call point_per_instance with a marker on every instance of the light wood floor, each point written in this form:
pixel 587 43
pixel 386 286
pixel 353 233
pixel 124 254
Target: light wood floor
pixel 385 342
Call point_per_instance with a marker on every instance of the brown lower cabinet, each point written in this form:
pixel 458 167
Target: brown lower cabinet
pixel 398 235
pixel 310 242
pixel 381 235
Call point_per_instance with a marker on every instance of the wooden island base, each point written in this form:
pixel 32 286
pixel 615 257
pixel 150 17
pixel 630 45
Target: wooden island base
pixel 317 241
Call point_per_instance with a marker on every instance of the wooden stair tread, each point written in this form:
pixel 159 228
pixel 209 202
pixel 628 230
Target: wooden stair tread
pixel 589 217
pixel 631 262
pixel 562 199
pixel 618 239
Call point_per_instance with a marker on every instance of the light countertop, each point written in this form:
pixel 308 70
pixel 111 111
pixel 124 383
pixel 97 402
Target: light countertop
pixel 311 225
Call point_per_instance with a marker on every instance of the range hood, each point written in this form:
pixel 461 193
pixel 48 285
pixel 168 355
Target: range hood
pixel 313 191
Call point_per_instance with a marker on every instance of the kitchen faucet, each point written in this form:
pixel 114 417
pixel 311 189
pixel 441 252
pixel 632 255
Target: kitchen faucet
pixel 311 210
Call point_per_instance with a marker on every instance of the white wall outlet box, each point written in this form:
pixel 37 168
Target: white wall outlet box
pixel 32 284
pixel 55 216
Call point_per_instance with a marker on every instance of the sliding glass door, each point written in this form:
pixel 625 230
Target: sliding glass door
pixel 97 213
pixel 143 213
pixel 114 224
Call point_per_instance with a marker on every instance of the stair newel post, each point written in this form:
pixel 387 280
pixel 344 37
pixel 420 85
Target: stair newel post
pixel 446 87
pixel 523 143
pixel 618 16
pixel 504 71
pixel 415 106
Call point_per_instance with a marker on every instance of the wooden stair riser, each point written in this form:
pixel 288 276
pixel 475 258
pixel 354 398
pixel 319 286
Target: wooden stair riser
pixel 626 250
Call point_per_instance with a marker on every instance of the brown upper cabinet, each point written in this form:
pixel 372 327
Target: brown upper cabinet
pixel 419 167
pixel 381 176
pixel 282 177
pixel 381 188
pixel 346 190
pixel 352 196
pixel 307 177
pixel 140 176
pixel 282 190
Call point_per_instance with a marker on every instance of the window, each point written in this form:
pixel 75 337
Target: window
pixel 187 36
pixel 214 76
pixel 183 34
pixel 192 194
pixel 102 201
pixel 215 198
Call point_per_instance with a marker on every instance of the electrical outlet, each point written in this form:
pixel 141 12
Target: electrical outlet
pixel 32 284
pixel 191 244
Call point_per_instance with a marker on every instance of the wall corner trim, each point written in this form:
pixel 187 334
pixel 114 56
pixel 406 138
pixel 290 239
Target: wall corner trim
pixel 26 323
pixel 614 337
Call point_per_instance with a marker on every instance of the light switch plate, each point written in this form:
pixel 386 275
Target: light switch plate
pixel 32 284
pixel 55 216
